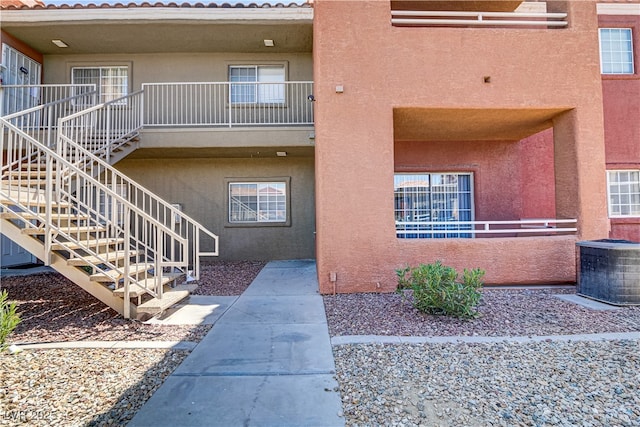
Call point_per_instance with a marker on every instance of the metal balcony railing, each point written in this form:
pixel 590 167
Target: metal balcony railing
pixel 420 18
pixel 227 104
pixel 471 229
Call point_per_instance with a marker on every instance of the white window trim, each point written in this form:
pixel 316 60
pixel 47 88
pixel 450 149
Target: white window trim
pixel 600 52
pixel 257 66
pixel 609 201
pixel 262 180
pixel 471 196
pixel 104 65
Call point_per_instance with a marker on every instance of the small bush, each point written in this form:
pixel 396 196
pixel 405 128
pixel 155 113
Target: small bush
pixel 436 289
pixel 9 318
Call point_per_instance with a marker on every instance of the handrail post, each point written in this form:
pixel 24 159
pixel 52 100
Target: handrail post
pixel 196 255
pixel 158 263
pixel 48 207
pixel 127 269
pixel 229 85
pixel 107 137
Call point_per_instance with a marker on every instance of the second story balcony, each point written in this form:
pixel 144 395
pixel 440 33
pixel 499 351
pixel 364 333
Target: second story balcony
pixel 228 104
pixel 475 14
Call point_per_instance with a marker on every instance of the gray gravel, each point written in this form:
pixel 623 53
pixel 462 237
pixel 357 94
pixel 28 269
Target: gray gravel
pixel 77 387
pixel 496 384
pixel 505 384
pixel 502 313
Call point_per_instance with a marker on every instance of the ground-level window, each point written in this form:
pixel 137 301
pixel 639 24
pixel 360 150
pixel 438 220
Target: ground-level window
pixel 616 51
pixel 432 205
pixel 624 193
pixel 257 84
pixel 258 202
pixel 112 82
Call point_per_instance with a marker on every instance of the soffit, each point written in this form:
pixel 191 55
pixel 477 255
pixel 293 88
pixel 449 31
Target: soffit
pixel 441 124
pixel 156 30
pixel 457 5
pixel 221 152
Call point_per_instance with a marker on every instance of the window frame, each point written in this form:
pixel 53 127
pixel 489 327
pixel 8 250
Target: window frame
pixel 631 52
pixel 610 195
pixel 99 87
pixel 280 101
pixel 286 180
pixel 453 233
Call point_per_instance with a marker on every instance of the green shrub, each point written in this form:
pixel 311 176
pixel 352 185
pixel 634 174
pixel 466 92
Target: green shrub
pixel 436 289
pixel 9 318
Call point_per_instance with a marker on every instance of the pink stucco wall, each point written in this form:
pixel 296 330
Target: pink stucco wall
pixel 621 96
pixel 380 68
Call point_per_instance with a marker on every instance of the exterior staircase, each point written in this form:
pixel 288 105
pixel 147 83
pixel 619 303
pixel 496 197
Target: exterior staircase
pixel 61 200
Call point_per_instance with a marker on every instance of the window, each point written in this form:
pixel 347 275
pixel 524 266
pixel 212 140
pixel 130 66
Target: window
pixel 258 202
pixel 111 82
pixel 624 193
pixel 257 84
pixel 616 51
pixel 427 202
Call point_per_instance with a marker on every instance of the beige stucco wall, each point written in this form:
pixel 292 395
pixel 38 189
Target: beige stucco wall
pixel 178 67
pixel 198 184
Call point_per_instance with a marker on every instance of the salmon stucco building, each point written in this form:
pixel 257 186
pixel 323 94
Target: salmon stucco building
pixel 143 139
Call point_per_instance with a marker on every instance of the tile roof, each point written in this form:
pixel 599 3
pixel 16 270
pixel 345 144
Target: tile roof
pixel 37 4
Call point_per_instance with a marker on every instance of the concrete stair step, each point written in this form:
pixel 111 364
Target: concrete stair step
pixel 140 288
pixel 113 276
pixel 68 230
pixel 29 216
pixel 169 298
pixel 93 243
pixel 106 257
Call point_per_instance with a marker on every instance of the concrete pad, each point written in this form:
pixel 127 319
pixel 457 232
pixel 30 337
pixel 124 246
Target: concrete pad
pixel 292 263
pixel 276 309
pixel 284 281
pixel 307 400
pixel 586 302
pixel 196 310
pixel 455 339
pixel 27 271
pixel 258 349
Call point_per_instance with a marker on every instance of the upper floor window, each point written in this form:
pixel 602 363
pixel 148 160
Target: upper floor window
pixel 624 193
pixel 257 84
pixel 616 51
pixel 112 82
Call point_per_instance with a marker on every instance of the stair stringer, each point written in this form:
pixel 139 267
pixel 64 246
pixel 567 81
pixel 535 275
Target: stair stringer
pixel 59 263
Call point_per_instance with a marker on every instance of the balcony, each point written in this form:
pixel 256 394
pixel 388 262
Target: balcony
pixel 434 14
pixel 224 104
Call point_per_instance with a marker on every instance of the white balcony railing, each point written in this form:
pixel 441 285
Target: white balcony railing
pixel 228 104
pixel 470 229
pixel 422 18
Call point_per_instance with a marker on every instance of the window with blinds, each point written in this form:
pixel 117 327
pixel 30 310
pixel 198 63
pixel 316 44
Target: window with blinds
pixel 112 82
pixel 433 201
pixel 257 84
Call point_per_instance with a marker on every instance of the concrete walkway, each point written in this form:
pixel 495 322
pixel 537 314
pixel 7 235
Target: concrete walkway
pixel 267 361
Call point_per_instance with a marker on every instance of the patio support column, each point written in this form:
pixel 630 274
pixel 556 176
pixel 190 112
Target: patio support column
pixel 580 171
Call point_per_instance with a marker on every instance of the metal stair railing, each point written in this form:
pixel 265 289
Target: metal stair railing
pixel 105 127
pixel 74 135
pixel 40 119
pixel 67 192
